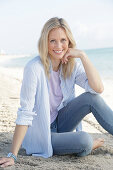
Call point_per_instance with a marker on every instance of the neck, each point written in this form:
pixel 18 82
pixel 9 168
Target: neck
pixel 55 64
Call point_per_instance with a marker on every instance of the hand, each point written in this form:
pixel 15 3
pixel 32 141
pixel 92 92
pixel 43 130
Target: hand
pixel 4 162
pixel 72 53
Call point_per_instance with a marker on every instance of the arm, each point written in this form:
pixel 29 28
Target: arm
pixel 20 131
pixel 93 77
pixel 25 113
pixel 18 137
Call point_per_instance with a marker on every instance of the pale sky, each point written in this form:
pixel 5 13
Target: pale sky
pixel 21 21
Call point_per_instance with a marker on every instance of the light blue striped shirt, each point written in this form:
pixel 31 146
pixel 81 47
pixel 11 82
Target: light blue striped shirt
pixel 35 107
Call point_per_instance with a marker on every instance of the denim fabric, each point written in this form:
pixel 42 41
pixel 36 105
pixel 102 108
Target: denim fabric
pixel 64 140
pixel 54 126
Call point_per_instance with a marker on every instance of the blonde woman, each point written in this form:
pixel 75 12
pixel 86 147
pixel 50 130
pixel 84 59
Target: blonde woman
pixel 49 110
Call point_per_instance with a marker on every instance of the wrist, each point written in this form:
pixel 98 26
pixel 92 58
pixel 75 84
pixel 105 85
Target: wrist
pixel 83 55
pixel 11 155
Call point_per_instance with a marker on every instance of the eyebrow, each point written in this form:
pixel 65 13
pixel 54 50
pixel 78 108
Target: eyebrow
pixel 55 39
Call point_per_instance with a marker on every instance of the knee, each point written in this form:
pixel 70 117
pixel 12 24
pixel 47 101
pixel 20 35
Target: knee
pixel 94 98
pixel 86 140
pixel 86 143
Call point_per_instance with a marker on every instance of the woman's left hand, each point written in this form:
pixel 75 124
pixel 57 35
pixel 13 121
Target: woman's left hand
pixel 71 53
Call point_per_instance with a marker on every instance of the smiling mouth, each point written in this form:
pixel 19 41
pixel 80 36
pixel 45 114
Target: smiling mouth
pixel 58 51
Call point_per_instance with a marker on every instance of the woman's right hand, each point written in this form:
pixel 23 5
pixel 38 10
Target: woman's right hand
pixel 4 162
pixel 18 137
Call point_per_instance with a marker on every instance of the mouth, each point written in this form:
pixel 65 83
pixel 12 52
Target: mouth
pixel 58 51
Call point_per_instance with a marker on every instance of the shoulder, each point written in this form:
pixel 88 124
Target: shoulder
pixel 34 68
pixel 34 64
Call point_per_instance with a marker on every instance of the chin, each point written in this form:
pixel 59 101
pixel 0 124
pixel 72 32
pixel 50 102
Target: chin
pixel 57 57
pixel 60 57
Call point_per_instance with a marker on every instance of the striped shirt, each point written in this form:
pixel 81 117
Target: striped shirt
pixel 35 106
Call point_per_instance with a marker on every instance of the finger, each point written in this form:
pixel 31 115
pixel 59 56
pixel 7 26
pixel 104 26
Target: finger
pixel 62 60
pixel 65 57
pixel 2 160
pixel 8 163
pixel 67 54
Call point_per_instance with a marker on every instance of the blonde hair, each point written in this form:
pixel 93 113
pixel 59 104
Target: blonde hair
pixel 43 45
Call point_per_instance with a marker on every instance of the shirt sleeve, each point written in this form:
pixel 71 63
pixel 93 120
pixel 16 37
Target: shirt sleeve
pixel 27 97
pixel 81 78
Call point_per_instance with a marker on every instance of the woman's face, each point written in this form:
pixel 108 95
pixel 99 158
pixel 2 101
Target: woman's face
pixel 57 43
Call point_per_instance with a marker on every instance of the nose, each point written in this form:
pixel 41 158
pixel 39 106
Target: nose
pixel 58 45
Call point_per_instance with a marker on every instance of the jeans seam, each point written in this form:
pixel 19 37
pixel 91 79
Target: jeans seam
pixel 73 150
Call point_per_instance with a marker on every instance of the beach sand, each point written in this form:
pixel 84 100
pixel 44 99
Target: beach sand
pixel 100 159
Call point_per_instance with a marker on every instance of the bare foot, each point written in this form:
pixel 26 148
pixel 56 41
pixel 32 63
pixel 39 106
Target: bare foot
pixel 98 143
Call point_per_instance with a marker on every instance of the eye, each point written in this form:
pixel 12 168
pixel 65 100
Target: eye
pixel 63 40
pixel 52 41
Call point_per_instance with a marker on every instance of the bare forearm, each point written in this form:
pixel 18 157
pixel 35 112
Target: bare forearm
pixel 92 74
pixel 20 131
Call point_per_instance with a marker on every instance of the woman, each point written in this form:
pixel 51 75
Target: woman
pixel 49 110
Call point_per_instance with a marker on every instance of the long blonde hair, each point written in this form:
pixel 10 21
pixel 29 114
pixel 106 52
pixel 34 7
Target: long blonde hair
pixel 43 45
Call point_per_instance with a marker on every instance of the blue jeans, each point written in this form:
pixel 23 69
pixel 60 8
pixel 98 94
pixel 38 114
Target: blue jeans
pixel 64 140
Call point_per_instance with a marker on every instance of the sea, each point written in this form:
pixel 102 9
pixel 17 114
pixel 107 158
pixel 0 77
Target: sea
pixel 102 59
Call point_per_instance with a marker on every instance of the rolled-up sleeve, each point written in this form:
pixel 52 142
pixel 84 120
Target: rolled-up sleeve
pixel 81 78
pixel 27 97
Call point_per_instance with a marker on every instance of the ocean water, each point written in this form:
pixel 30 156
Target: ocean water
pixel 102 59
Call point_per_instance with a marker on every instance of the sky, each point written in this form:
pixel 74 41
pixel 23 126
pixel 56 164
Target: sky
pixel 21 21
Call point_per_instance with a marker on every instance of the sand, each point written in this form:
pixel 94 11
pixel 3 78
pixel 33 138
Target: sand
pixel 100 159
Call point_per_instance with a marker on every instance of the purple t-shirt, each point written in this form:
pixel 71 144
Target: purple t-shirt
pixel 55 94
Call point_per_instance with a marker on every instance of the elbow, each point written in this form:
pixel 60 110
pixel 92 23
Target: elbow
pixel 100 90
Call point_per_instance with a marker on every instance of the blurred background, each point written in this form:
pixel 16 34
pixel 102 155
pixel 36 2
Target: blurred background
pixel 21 21
pixel 91 22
